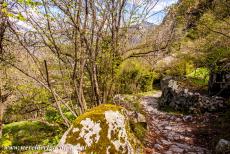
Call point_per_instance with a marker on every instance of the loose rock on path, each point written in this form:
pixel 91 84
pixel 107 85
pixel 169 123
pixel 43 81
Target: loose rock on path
pixel 172 133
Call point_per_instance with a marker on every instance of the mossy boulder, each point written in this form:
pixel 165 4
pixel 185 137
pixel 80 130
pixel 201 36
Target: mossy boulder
pixel 102 130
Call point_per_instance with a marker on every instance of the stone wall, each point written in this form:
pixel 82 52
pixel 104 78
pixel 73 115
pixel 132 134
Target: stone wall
pixel 182 99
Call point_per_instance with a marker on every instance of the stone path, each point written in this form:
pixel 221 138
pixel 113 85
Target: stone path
pixel 172 133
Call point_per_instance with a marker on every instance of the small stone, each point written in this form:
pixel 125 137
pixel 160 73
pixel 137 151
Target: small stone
pixel 181 137
pixel 223 146
pixel 189 129
pixel 176 137
pixel 177 150
pixel 188 118
pixel 140 118
pixel 172 117
pixel 168 152
pixel 183 146
pixel 186 91
pixel 188 140
pixel 166 142
pixel 158 147
pixel 158 141
pixel 149 150
pixel 168 128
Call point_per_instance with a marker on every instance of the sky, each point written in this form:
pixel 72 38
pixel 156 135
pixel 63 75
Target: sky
pixel 159 9
pixel 161 5
pixel 157 18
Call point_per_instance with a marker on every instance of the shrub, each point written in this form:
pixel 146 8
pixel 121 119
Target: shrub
pixel 133 77
pixel 180 68
pixel 29 103
pixel 200 73
pixel 53 116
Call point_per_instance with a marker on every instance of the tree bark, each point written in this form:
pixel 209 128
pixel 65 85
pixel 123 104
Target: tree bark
pixel 96 86
pixel 2 26
pixel 3 104
pixel 2 108
pixel 2 32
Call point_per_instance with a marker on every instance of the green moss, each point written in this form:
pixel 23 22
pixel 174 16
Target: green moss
pixel 29 132
pixel 139 130
pixel 136 143
pixel 97 115
pixel 97 111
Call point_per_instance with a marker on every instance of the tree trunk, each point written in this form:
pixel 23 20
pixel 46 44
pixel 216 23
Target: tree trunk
pixel 81 92
pixel 2 108
pixel 2 32
pixel 96 86
pixel 2 26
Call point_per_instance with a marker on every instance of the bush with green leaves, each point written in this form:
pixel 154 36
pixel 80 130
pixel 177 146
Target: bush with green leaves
pixel 181 68
pixel 53 116
pixel 201 73
pixel 199 76
pixel 30 103
pixel 134 77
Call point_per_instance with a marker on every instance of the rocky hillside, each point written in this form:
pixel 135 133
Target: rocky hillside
pixel 201 32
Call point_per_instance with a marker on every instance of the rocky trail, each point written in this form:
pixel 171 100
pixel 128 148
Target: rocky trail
pixel 175 133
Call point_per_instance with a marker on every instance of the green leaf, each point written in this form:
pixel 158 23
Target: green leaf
pixel 4 5
pixel 4 10
pixel 21 17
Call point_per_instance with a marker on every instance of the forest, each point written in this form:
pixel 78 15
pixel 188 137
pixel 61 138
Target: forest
pixel 114 76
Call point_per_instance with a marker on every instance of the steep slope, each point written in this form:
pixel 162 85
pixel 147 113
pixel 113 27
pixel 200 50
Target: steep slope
pixel 202 32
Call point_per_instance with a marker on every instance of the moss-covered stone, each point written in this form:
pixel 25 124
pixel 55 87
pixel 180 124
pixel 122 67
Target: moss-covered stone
pixel 102 130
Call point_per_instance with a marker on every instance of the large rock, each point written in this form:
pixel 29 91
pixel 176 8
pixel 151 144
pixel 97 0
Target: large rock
pixel 104 129
pixel 182 99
